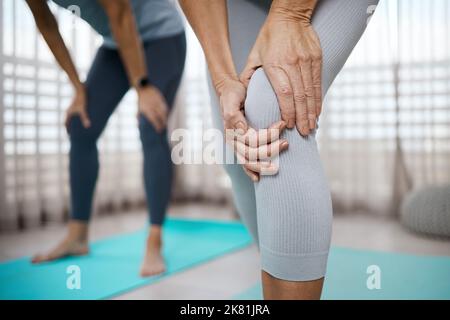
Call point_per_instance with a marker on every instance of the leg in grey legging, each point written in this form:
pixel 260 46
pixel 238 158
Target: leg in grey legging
pixel 243 32
pixel 293 227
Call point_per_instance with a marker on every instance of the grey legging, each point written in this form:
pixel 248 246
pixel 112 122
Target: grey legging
pixel 290 214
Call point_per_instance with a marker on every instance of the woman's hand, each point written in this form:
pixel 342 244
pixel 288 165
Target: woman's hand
pixel 153 106
pixel 232 94
pixel 209 22
pixel 254 148
pixel 78 108
pixel 257 149
pixel 289 51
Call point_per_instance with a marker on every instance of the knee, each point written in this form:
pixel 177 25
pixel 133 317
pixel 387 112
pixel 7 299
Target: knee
pixel 79 134
pixel 261 105
pixel 149 136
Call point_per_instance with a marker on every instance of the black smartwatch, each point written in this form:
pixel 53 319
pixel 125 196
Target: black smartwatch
pixel 142 82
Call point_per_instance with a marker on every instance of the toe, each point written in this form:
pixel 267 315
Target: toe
pixel 152 270
pixel 39 258
pixel 36 259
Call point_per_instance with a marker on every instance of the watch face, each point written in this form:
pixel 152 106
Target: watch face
pixel 143 82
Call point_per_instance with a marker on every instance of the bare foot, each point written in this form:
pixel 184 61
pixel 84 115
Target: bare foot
pixel 66 248
pixel 153 263
pixel 74 244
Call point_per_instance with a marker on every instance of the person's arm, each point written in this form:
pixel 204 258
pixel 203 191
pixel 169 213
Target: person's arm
pixel 123 26
pixel 209 21
pixel 48 26
pixel 289 51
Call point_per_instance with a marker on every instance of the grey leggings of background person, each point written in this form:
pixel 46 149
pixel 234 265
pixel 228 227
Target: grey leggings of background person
pixel 290 214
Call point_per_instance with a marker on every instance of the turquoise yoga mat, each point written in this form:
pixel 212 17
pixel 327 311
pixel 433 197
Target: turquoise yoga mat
pixel 113 264
pixel 402 276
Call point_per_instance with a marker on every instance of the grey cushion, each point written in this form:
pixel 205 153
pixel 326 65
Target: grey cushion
pixel 427 210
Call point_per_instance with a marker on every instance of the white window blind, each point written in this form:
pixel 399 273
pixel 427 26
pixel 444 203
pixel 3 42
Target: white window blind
pixel 386 123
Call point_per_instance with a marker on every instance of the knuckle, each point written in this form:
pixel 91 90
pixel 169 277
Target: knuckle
pixel 291 60
pixel 245 154
pixel 300 98
pixel 228 114
pixel 235 117
pixel 304 122
pixel 284 91
pixel 304 58
pixel 309 91
pixel 270 152
pixel 316 55
pixel 302 115
pixel 288 113
pixel 253 154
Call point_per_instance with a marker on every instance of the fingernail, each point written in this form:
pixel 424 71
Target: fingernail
pixel 305 130
pixel 284 145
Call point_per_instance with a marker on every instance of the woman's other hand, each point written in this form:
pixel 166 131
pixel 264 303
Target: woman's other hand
pixel 257 150
pixel 254 149
pixel 289 51
pixel 78 108
pixel 153 106
pixel 232 94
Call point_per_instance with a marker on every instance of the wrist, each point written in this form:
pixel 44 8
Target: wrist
pixel 292 10
pixel 220 79
pixel 144 89
pixel 78 87
pixel 141 83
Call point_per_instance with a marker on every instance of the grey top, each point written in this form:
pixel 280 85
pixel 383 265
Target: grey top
pixel 154 18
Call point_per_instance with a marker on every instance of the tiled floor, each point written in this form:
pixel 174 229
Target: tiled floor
pixel 231 274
